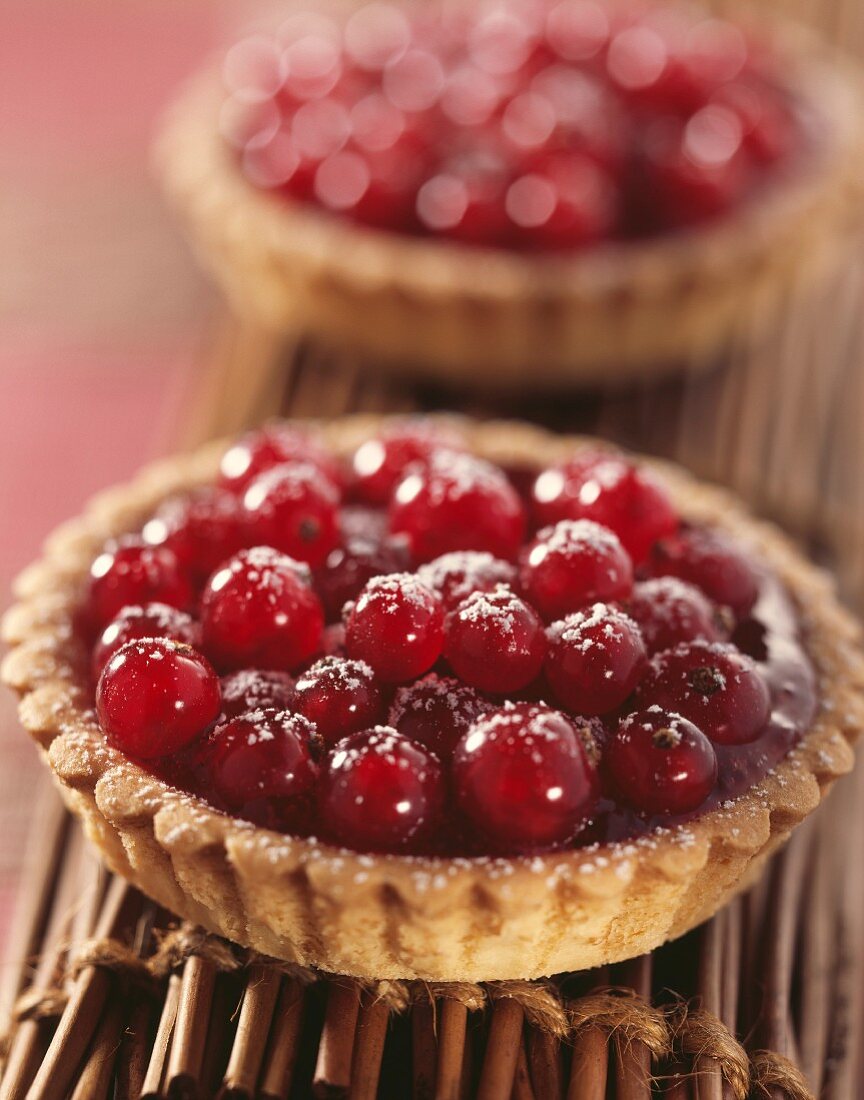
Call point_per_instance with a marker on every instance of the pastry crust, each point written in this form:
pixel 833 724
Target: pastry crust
pixel 409 916
pixel 612 314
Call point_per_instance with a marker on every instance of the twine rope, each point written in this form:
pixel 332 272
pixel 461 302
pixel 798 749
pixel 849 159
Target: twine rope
pixel 772 1071
pixel 539 1000
pixel 698 1034
pixel 621 1012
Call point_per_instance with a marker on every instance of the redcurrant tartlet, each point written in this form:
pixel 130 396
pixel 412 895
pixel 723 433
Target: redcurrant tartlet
pixel 535 739
pixel 553 189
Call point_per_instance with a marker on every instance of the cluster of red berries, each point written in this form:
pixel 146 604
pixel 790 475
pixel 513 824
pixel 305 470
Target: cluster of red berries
pixel 526 124
pixel 404 651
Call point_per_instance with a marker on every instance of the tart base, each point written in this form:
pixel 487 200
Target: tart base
pixel 611 315
pixel 414 917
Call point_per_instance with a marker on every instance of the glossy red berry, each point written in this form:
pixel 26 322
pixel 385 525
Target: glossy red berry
pixel 522 778
pixel 709 560
pixel 129 571
pixel 397 627
pixel 458 502
pixel 379 464
pixel 263 766
pixel 461 573
pixel 294 508
pixel 250 689
pixel 495 641
pixel 259 609
pixel 153 620
pixel 352 565
pixel 156 696
pixel 596 658
pixel 573 564
pixel 339 696
pixel 660 763
pixel 668 611
pixel 713 685
pixel 436 711
pixel 380 792
pixel 203 528
pixel 611 491
pixel 271 446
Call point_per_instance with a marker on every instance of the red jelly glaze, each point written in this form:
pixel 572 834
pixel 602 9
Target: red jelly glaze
pixel 153 620
pixel 495 641
pixel 458 502
pixel 129 571
pixel 255 689
pixel 611 491
pixel 294 508
pixel 156 696
pixel 715 686
pixel 260 610
pixel 522 778
pixel 380 792
pixel 660 763
pixel 339 696
pixel 436 711
pixel 262 766
pixel 596 657
pixel 396 626
pixel 573 564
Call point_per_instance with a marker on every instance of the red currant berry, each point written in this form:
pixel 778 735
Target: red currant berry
pixel 660 763
pixel 271 446
pixel 523 779
pixel 595 659
pixel 259 610
pixel 352 565
pixel 397 627
pixel 153 620
pixel 250 689
pixel 379 464
pixel 129 572
pixel 669 611
pixel 713 685
pixel 458 575
pixel 262 766
pixel 436 711
pixel 458 502
pixel 574 563
pixel 340 696
pixel 203 529
pixel 294 508
pixel 495 641
pixel 155 696
pixel 380 792
pixel 711 562
pixel 613 493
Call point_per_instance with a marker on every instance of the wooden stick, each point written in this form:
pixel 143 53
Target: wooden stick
pixel 522 1087
pixel 94 1080
pixel 817 959
pixel 369 1048
pixel 632 1057
pixel 81 1016
pixel 250 1041
pixel 186 1056
pixel 708 1082
pixel 153 1078
pixel 424 1052
pixel 589 1069
pixel 544 1064
pixel 132 1056
pixel 281 1055
pixel 502 1050
pixel 335 1053
pixel 453 1021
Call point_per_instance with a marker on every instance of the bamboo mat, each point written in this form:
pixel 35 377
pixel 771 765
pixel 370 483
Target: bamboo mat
pixel 108 999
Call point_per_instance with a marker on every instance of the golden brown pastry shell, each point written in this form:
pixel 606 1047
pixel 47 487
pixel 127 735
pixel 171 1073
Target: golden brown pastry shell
pixel 412 917
pixel 612 314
